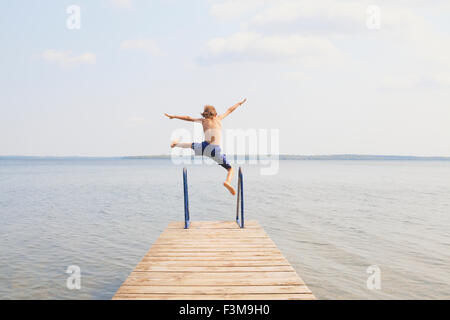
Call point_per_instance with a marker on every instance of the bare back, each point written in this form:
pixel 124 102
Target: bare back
pixel 212 127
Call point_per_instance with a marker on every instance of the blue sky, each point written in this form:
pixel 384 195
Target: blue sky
pixel 313 70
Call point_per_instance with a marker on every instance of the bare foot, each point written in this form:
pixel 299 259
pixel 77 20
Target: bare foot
pixel 230 188
pixel 174 143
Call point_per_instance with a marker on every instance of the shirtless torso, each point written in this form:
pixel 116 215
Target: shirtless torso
pixel 212 129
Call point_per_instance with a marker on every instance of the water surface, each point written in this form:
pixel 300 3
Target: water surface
pixel 331 219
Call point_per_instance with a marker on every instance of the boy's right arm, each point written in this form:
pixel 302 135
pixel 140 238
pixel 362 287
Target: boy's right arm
pixel 185 118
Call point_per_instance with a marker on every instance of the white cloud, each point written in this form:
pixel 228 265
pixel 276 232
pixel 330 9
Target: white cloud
pixel 403 26
pixel 255 46
pixel 418 34
pixel 122 3
pixel 329 16
pixel 401 82
pixel 66 58
pixel 325 16
pixel 147 45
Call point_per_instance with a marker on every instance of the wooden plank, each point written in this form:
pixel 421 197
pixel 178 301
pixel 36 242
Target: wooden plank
pixel 212 249
pixel 211 275
pixel 225 263
pixel 212 245
pixel 217 242
pixel 199 241
pixel 214 258
pixel 208 237
pixel 183 234
pixel 213 236
pixel 212 269
pixel 224 240
pixel 126 289
pixel 248 254
pixel 250 224
pixel 216 281
pixel 280 296
pixel 215 230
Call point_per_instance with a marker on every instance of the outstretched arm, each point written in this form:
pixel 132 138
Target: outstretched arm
pixel 232 108
pixel 185 118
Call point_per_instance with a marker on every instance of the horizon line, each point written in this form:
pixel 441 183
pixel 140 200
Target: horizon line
pixel 286 156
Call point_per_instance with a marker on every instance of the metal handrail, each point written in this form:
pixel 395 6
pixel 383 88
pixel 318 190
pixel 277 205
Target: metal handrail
pixel 240 199
pixel 186 200
pixel 239 205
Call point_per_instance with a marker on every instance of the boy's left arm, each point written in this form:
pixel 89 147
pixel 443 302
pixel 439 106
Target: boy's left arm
pixel 232 108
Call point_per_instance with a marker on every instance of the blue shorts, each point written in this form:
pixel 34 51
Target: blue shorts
pixel 211 150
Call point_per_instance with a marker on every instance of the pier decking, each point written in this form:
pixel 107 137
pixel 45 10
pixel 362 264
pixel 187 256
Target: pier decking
pixel 214 260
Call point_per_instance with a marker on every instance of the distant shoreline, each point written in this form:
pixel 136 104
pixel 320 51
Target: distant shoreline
pixel 281 157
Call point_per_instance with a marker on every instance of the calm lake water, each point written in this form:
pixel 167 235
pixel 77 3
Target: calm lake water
pixel 331 219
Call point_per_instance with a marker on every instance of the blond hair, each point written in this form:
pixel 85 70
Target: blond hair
pixel 209 112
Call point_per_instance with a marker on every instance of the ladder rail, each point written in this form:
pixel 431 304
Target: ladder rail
pixel 240 199
pixel 186 200
pixel 239 204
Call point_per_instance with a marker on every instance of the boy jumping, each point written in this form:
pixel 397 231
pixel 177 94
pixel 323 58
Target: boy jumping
pixel 212 128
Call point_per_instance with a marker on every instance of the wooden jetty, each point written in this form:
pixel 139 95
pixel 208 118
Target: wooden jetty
pixel 214 260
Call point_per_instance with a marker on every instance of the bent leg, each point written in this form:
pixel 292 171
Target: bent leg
pixel 227 182
pixel 215 153
pixel 230 173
